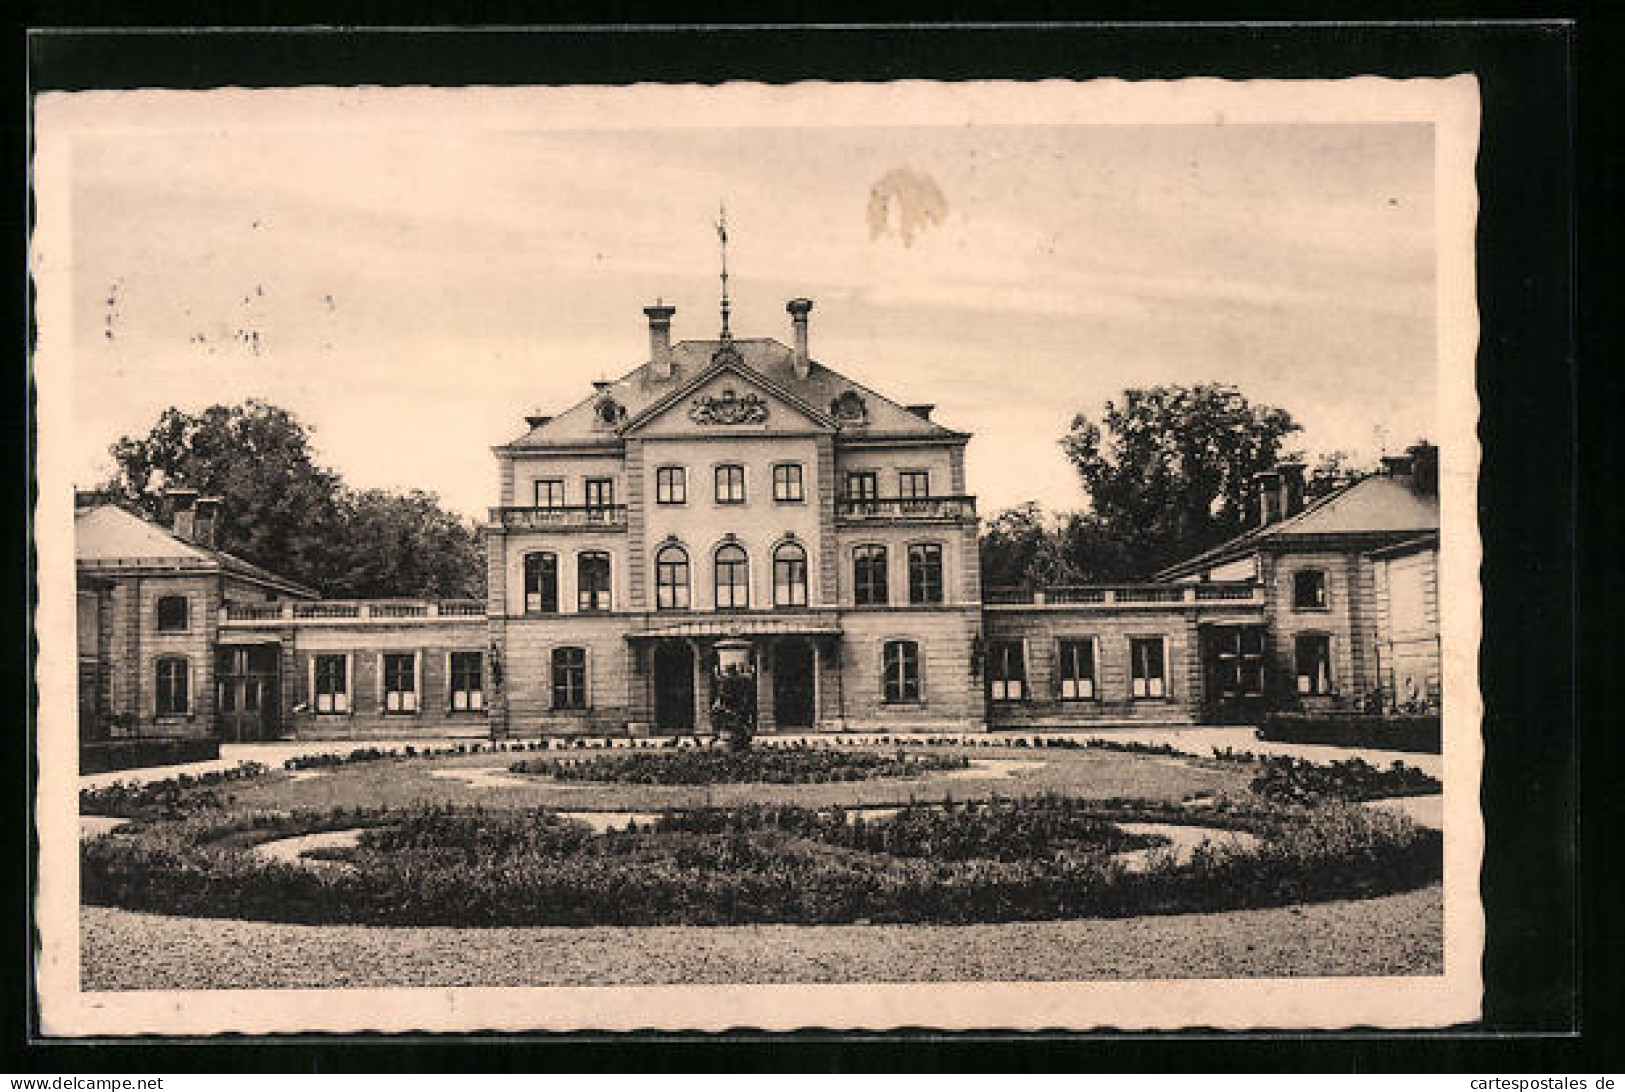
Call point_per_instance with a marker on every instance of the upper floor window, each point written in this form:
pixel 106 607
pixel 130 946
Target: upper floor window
pixel 869 576
pixel 331 682
pixel 900 667
pixel 925 573
pixel 671 578
pixel 914 483
pixel 400 682
pixel 174 685
pixel 1309 590
pixel 600 493
pixel 787 484
pixel 173 614
pixel 592 581
pixel 790 576
pixel 1075 669
pixel 1147 670
pixel 1312 655
pixel 862 485
pixel 1006 670
pixel 541 583
pixel 732 578
pixel 671 485
pixel 467 671
pixel 550 493
pixel 569 678
pixel 730 484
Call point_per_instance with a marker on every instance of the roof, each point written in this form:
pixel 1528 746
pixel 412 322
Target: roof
pixel 1429 541
pixel 1383 505
pixel 765 359
pixel 108 536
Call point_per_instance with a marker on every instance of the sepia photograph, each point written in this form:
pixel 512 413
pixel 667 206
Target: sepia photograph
pixel 696 557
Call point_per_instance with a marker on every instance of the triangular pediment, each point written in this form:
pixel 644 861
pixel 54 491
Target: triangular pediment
pixel 728 398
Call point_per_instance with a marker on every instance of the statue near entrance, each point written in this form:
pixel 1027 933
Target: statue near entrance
pixel 733 710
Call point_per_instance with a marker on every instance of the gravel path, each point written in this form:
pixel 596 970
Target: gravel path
pixel 1396 934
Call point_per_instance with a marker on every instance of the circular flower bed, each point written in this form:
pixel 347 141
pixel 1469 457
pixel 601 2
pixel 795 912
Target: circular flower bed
pixel 779 766
pixel 1051 857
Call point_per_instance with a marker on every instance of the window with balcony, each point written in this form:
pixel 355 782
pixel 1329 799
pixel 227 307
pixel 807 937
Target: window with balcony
pixel 569 678
pixel 467 671
pixel 862 485
pixel 332 683
pixel 541 583
pixel 600 494
pixel 787 484
pixel 174 686
pixel 173 614
pixel 550 493
pixel 732 578
pixel 400 682
pixel 869 576
pixel 914 484
pixel 671 485
pixel 671 579
pixel 592 581
pixel 900 667
pixel 790 576
pixel 1309 590
pixel 730 482
pixel 1147 668
pixel 925 573
pixel 1312 655
pixel 1006 670
pixel 1075 669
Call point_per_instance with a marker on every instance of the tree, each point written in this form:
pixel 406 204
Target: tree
pixel 284 512
pixel 1170 473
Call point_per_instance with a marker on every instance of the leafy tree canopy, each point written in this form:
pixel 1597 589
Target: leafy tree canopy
pixel 1169 470
pixel 283 511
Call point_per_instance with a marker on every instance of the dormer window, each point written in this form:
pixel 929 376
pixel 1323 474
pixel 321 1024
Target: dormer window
pixel 608 413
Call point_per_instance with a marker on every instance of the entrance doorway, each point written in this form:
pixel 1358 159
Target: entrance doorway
pixel 674 686
pixel 793 683
pixel 248 689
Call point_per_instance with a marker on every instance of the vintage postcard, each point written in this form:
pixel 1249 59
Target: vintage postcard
pixel 945 555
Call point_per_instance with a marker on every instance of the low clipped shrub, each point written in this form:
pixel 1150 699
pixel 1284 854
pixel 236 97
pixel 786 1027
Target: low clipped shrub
pixel 1352 779
pixel 169 797
pixel 799 765
pixel 1009 861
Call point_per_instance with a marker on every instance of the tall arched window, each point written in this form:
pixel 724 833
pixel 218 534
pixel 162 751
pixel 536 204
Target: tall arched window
pixel 925 573
pixel 592 581
pixel 671 578
pixel 733 578
pixel 541 583
pixel 790 575
pixel 869 576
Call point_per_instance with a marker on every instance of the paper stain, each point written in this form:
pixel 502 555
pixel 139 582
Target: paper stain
pixel 916 198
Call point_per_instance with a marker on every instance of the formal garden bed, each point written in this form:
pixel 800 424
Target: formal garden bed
pixel 773 766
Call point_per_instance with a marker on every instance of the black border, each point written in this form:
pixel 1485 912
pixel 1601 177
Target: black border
pixel 1528 380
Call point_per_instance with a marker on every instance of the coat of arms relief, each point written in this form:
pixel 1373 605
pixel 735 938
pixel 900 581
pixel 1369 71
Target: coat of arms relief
pixel 729 408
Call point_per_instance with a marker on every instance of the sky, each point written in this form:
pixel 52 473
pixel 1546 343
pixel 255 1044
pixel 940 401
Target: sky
pixel 412 283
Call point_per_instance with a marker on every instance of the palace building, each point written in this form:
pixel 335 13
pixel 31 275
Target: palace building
pixel 738 501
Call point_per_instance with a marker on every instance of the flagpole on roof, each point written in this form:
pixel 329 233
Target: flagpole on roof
pixel 722 235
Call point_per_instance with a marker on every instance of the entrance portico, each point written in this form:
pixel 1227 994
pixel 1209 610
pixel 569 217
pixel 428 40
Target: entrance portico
pixel 790 657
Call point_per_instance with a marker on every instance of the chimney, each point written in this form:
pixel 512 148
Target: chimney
pixel 921 409
pixel 799 309
pixel 1424 467
pixel 1291 488
pixel 207 521
pixel 660 364
pixel 183 512
pixel 1267 487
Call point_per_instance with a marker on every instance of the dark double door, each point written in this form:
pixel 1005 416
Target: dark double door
pixel 674 686
pixel 794 689
pixel 247 678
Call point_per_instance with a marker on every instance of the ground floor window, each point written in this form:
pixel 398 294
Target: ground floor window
pixel 400 682
pixel 332 684
pixel 174 687
pixel 1076 669
pixel 1148 671
pixel 569 678
pixel 901 668
pixel 1006 670
pixel 1313 656
pixel 467 681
